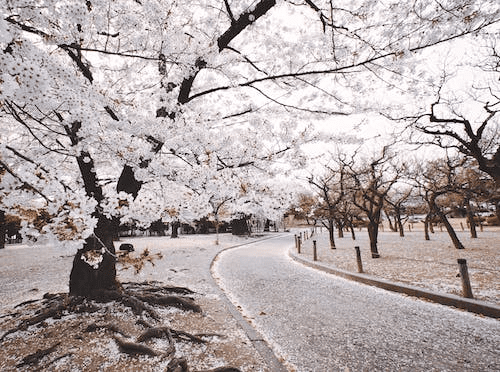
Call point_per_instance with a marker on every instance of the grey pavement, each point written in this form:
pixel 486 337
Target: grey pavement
pixel 319 322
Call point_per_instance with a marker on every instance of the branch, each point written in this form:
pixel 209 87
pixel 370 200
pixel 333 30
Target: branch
pixel 24 183
pixel 338 69
pixel 236 27
pixel 245 19
pixel 78 60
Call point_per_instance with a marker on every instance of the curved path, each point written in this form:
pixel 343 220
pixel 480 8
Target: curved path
pixel 319 322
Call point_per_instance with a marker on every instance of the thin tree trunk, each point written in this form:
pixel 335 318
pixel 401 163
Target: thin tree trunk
pixel 331 233
pixel 446 223
pixel 3 229
pixel 427 223
pixel 392 227
pixel 470 220
pixel 400 225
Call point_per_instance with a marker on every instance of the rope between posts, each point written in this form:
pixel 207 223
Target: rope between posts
pixel 104 246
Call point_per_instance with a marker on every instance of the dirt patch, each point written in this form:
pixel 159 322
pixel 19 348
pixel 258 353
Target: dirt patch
pixel 430 264
pixel 107 337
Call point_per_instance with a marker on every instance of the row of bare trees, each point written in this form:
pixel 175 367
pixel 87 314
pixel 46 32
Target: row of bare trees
pixel 354 192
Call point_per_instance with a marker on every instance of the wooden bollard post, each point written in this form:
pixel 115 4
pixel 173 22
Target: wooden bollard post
pixel 315 251
pixel 299 241
pixel 296 242
pixel 358 259
pixel 464 274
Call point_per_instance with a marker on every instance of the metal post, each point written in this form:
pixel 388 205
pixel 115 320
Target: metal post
pixel 464 274
pixel 315 252
pixel 358 259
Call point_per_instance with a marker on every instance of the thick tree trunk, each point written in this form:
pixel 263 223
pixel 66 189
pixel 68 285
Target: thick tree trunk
pixel 175 229
pixel 94 265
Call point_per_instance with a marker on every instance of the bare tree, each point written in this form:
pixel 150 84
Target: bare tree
pixel 437 179
pixel 396 201
pixel 478 140
pixel 370 185
pixel 330 189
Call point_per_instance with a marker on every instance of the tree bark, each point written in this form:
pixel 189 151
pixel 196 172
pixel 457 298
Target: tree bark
pixel 87 279
pixel 470 219
pixel 331 233
pixel 451 232
pixel 400 225
pixel 373 235
pixel 3 229
pixel 427 223
pixel 175 229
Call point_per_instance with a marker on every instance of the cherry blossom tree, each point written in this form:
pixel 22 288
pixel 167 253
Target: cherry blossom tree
pixel 101 100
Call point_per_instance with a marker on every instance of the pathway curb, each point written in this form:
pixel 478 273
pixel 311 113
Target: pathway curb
pixel 471 305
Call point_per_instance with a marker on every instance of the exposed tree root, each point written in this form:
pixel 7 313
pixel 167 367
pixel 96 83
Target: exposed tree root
pixel 141 298
pixel 173 301
pixel 56 307
pixel 134 348
pixel 37 355
pixel 154 287
pixel 181 365
pixel 221 369
pixel 107 327
pixel 178 365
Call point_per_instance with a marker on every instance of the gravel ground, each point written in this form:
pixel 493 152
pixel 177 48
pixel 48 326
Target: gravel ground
pixel 319 322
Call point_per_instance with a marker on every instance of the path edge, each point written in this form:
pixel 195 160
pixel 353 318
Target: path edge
pixel 470 305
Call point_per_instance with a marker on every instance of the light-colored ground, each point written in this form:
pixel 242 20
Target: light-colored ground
pixel 320 322
pixel 29 272
pixel 412 260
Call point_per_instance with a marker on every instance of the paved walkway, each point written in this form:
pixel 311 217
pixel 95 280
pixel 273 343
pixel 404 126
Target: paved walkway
pixel 319 322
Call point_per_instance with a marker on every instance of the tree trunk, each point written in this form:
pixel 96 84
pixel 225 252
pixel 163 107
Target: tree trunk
pixel 427 223
pixel 3 229
pixel 175 229
pixel 400 225
pixel 444 220
pixel 94 265
pixel 340 229
pixel 470 219
pixel 373 235
pixel 268 223
pixel 353 234
pixel 392 227
pixel 331 234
